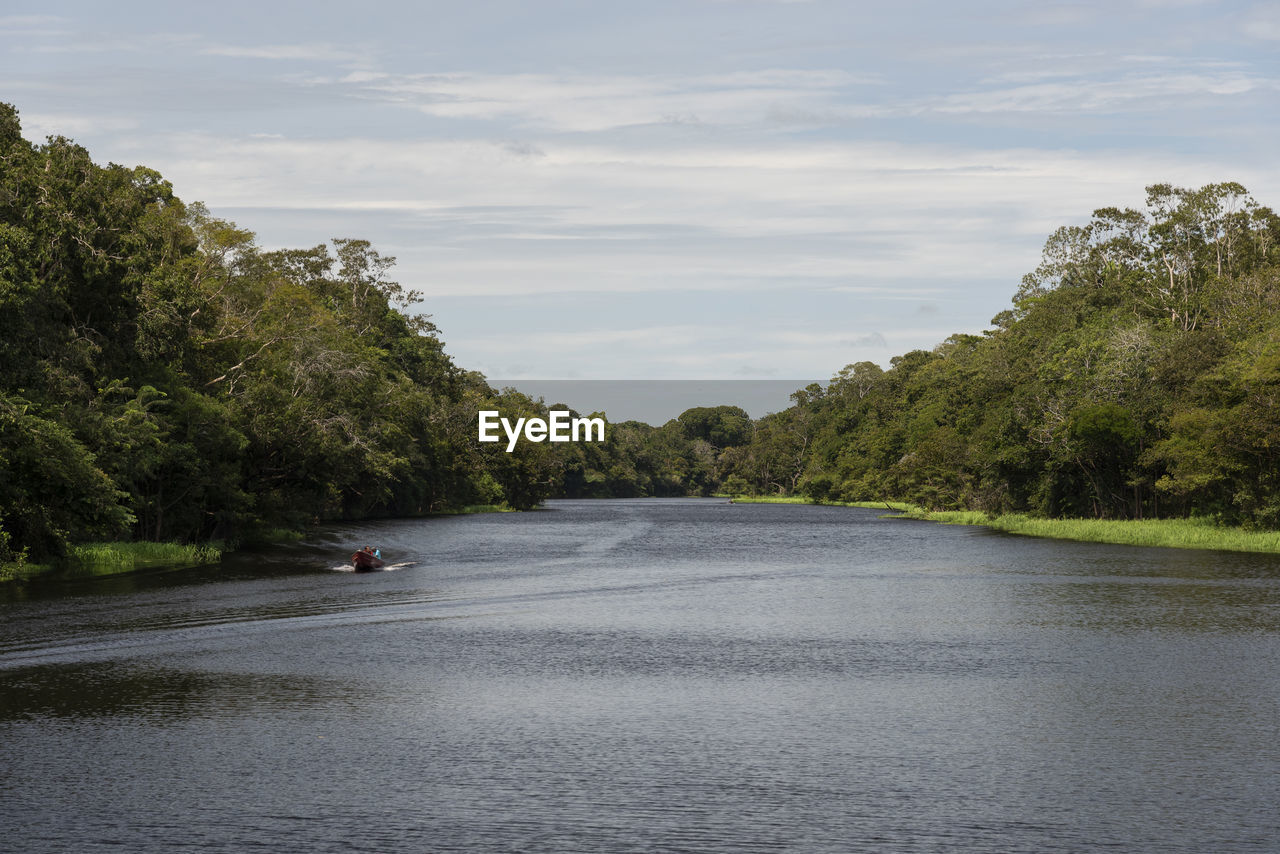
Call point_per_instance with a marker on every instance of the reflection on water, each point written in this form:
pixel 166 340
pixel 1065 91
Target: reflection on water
pixel 117 691
pixel 650 676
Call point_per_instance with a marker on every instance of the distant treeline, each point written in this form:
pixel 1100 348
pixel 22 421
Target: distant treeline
pixel 1137 375
pixel 162 378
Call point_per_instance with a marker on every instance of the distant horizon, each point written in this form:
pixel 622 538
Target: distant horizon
pixel 655 402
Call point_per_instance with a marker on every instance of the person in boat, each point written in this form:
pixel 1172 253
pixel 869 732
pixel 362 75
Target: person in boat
pixel 367 558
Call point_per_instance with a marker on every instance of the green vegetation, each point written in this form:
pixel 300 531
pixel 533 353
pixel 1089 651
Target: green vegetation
pixel 106 558
pixel 482 508
pixel 112 558
pixel 18 571
pixel 1196 533
pixel 951 517
pixel 164 379
pixel 900 506
pixel 1136 378
pixel 771 499
pixel 1173 533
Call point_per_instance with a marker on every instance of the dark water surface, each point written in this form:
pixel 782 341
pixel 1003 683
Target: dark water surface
pixel 650 675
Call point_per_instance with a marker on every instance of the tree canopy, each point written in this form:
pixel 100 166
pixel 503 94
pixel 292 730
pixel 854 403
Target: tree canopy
pixel 162 377
pixel 1137 374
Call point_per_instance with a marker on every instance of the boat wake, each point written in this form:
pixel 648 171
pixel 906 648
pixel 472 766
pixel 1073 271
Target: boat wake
pixel 346 567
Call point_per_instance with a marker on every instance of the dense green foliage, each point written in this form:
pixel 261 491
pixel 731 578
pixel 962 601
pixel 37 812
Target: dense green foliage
pixel 163 378
pixel 1136 376
pixel 682 457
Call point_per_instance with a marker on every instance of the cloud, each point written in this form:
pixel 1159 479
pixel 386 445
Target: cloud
pixel 593 103
pixel 871 339
pixel 72 44
pixel 1079 96
pixel 854 218
pixel 797 99
pixel 320 51
pixel 817 171
pixel 40 125
pixel 34 25
pixel 1263 22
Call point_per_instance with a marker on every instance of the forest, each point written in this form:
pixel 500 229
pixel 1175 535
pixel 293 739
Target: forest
pixel 162 378
pixel 1136 376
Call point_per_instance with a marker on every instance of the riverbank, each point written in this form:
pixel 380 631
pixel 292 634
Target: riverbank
pixel 114 558
pixel 1162 533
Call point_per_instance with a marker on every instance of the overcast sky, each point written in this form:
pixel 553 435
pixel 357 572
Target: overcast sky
pixel 653 190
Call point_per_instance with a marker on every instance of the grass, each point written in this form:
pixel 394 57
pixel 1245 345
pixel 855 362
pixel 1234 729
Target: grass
pixel 768 499
pixel 1162 533
pixel 897 506
pixel 1169 533
pixel 104 558
pixel 467 509
pixel 112 558
pixel 19 571
pixel 115 558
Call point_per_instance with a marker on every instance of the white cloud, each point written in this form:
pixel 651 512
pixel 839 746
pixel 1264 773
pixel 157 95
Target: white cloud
pixel 1085 95
pixel 590 103
pixel 41 125
pixel 860 218
pixel 1263 22
pixel 322 51
pixel 150 44
pixel 868 165
pixel 29 20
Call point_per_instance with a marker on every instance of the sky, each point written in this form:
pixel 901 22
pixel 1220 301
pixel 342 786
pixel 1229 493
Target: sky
pixel 705 189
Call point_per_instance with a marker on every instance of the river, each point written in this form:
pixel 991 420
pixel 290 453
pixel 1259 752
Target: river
pixel 651 675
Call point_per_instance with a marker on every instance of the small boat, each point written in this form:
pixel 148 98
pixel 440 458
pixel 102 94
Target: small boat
pixel 365 561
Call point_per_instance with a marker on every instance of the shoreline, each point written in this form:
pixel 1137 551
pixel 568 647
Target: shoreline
pixel 117 558
pixel 101 559
pixel 1152 533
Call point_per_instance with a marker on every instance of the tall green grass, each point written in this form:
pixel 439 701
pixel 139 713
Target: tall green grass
pixel 1170 533
pixel 1163 533
pixel 468 509
pixel 768 499
pixel 109 558
pixel 896 506
pixel 114 558
pixel 16 571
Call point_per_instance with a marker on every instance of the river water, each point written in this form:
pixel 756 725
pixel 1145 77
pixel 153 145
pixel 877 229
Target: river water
pixel 650 675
